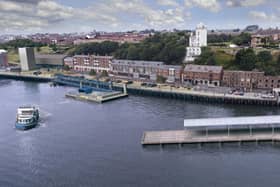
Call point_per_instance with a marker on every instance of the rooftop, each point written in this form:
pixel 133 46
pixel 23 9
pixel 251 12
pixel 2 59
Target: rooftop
pixel 270 31
pixel 138 62
pixel 232 121
pixel 94 56
pixel 203 68
pixel 50 56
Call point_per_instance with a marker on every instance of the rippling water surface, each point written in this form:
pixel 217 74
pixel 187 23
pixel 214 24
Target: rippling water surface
pixel 85 144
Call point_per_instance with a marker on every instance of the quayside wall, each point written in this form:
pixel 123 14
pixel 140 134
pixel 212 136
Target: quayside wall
pixel 25 77
pixel 170 94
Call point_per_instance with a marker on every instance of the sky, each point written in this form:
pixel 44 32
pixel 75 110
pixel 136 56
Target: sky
pixel 59 16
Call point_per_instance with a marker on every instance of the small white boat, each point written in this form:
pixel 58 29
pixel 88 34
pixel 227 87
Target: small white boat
pixel 27 117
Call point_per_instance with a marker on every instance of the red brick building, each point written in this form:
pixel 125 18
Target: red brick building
pixel 202 74
pixel 86 63
pixel 263 37
pixel 242 79
pixel 269 82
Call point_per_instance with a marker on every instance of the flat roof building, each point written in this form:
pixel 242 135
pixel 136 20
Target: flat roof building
pixel 50 60
pixel 27 58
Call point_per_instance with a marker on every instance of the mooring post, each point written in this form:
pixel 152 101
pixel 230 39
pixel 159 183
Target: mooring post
pixel 124 89
pixel 228 130
pixel 250 130
pixel 180 145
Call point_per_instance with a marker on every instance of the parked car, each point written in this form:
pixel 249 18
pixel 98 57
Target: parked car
pixel 143 84
pixel 268 96
pixel 118 81
pixel 238 93
pixel 37 73
pixel 151 84
pixel 128 82
pixel 107 80
pixel 231 91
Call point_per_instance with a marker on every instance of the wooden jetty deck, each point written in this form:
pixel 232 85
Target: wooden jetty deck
pixel 187 137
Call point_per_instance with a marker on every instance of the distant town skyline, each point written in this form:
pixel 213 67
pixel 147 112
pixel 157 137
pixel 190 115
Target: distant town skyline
pixel 31 16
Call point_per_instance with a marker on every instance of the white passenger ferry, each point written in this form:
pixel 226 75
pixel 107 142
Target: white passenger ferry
pixel 27 117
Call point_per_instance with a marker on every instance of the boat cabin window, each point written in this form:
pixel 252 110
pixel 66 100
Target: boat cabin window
pixel 30 112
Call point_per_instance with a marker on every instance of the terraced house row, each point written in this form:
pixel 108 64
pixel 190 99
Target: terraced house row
pixel 189 74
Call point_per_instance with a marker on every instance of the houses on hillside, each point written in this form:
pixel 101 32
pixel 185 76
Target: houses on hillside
pixel 265 37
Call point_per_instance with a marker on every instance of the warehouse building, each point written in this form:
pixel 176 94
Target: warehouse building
pixel 50 60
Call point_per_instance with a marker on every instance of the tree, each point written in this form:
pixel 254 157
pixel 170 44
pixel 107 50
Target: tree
pixel 132 52
pixel 219 38
pixel 246 59
pixel 22 43
pixel 166 47
pixel 264 56
pixel 206 57
pixel 104 73
pixel 278 60
pixel 161 79
pixel 103 48
pixel 54 47
pixel 211 61
pixel 66 68
pixel 242 39
pixel 92 72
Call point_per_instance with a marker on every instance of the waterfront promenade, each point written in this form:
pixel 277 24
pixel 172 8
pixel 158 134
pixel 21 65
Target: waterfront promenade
pixel 164 91
pixel 202 96
pixel 181 90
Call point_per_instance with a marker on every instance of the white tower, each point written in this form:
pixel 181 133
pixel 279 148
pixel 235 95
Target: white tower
pixel 196 42
pixel 201 35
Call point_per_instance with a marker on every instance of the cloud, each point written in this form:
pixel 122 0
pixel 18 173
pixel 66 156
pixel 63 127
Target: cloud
pixel 53 11
pixel 32 15
pixel 26 1
pixel 11 6
pixel 135 9
pixel 26 15
pixel 168 2
pixel 260 15
pixel 212 5
pixel 244 3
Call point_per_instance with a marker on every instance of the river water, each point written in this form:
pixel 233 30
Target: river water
pixel 87 144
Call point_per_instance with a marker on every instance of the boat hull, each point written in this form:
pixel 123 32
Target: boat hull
pixel 21 126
